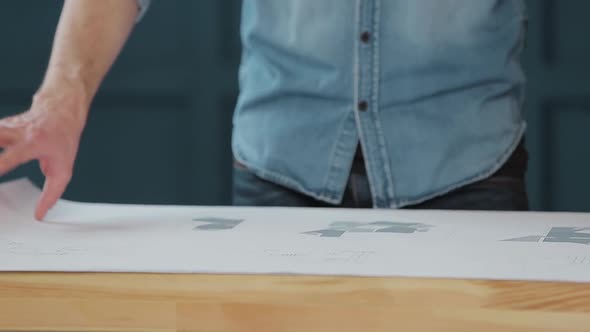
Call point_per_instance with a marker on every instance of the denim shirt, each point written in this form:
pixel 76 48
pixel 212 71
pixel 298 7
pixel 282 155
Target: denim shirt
pixel 431 89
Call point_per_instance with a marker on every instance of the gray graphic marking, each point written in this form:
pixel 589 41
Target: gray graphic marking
pixel 559 234
pixel 533 238
pixel 216 224
pixel 337 229
pixel 568 234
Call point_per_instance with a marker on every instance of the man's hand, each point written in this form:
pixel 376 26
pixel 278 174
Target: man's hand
pixel 89 36
pixel 50 133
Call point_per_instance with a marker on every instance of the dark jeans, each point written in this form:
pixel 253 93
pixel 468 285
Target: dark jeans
pixel 504 190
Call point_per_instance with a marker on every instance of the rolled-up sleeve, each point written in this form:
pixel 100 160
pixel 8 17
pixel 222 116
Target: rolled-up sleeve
pixel 143 7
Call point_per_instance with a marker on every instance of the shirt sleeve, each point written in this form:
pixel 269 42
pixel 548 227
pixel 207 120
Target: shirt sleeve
pixel 143 6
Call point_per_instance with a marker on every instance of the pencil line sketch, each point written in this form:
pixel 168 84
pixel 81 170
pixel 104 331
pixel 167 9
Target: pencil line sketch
pixel 322 256
pixel 216 224
pixel 21 248
pixel 338 228
pixel 559 234
pixel 349 256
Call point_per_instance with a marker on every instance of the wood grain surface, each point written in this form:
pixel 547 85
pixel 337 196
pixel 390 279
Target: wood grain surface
pixel 173 302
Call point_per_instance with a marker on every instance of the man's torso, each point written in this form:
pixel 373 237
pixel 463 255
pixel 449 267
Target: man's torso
pixel 432 90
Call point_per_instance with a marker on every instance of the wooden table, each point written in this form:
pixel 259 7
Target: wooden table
pixel 160 302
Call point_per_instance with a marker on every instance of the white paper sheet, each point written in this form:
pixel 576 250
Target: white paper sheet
pixel 192 239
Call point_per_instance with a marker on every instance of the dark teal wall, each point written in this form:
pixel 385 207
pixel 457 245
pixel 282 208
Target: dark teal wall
pixel 557 63
pixel 159 131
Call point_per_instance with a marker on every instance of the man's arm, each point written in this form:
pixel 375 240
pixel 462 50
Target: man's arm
pixel 89 37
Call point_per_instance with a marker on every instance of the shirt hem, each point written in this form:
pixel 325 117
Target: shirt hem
pixel 284 180
pixel 470 180
pixel 337 199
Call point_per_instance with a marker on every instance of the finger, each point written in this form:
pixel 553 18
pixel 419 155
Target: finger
pixel 6 141
pixel 7 137
pixel 13 157
pixel 53 189
pixel 6 122
pixel 43 166
pixel 16 121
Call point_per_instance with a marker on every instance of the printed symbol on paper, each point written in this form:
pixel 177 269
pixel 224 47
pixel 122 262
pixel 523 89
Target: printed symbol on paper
pixel 579 235
pixel 216 224
pixel 285 253
pixel 582 260
pixel 337 229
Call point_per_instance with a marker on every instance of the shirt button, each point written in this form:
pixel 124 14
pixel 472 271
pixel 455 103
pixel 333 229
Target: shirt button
pixel 365 36
pixel 363 105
